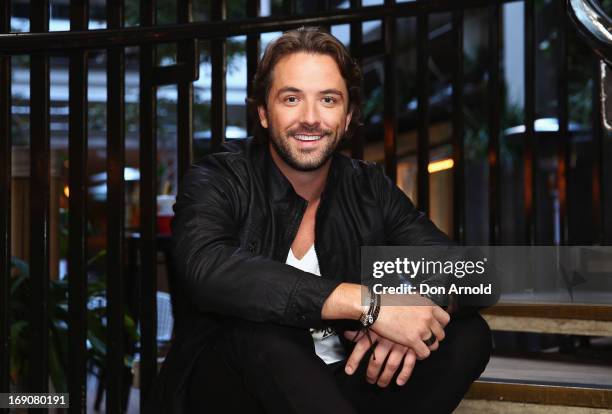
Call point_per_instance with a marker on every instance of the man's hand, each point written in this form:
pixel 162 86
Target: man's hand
pixel 411 325
pixel 394 354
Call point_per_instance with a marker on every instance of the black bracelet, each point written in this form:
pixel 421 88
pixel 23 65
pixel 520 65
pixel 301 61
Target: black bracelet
pixel 368 317
pixel 364 314
pixel 374 310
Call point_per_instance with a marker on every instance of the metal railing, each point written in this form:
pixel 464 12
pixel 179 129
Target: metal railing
pixel 596 28
pixel 40 44
pixel 594 24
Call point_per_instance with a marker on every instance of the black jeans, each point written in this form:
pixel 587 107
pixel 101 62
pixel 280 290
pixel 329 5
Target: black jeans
pixel 259 368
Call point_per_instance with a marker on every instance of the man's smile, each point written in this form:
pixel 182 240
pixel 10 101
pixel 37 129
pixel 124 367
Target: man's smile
pixel 307 138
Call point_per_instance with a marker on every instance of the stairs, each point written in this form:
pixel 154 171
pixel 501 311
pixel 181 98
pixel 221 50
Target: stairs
pixel 527 385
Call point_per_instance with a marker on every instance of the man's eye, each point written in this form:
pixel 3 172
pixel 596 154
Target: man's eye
pixel 291 99
pixel 329 100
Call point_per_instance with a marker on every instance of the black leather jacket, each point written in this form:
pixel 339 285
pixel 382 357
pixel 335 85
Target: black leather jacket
pixel 236 216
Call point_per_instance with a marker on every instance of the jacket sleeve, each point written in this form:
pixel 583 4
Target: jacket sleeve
pixel 219 276
pixel 406 226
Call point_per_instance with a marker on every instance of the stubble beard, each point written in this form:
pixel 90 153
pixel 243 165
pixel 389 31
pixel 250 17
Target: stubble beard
pixel 304 160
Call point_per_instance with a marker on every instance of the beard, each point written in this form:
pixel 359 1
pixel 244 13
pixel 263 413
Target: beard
pixel 305 160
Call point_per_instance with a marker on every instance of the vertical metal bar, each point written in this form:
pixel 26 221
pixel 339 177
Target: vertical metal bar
pixel 458 131
pixel 605 157
pixel 530 151
pixel 598 155
pixel 5 202
pixel 326 6
pixel 564 141
pixel 357 140
pixel 218 109
pixel 115 163
pixel 39 206
pixel 390 110
pixel 289 7
pixel 495 114
pixel 148 192
pixel 423 111
pixel 184 109
pixel 252 52
pixel 77 207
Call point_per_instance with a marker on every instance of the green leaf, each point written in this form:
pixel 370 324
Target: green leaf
pixel 130 327
pixel 98 344
pixel 97 257
pixel 19 359
pixel 56 371
pixel 17 282
pixel 21 266
pixel 17 329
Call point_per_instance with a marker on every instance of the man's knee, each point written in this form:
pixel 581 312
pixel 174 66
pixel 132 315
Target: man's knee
pixel 440 381
pixel 469 340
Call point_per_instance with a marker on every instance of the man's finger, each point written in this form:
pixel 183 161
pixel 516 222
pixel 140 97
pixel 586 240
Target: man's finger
pixel 434 346
pixel 377 360
pixel 362 346
pixel 437 330
pixel 441 315
pixel 354 336
pixel 394 362
pixel 421 350
pixel 406 372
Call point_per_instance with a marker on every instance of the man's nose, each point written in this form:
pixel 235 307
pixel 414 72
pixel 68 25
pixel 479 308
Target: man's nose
pixel 310 114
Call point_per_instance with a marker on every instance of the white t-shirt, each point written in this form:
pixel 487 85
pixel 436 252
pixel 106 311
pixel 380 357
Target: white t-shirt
pixel 327 343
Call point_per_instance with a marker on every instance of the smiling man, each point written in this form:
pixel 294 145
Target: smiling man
pixel 267 236
pixel 305 122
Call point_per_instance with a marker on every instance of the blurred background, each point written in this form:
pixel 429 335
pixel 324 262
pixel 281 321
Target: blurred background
pixel 487 114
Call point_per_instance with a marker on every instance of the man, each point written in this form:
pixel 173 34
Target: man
pixel 267 241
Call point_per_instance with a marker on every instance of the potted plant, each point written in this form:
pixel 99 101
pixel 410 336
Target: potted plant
pixel 20 286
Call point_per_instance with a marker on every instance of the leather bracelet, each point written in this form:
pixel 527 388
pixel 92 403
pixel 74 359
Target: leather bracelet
pixel 374 310
pixel 369 316
pixel 364 313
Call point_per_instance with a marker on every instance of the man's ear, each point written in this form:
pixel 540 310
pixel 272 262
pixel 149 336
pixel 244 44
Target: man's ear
pixel 349 116
pixel 263 116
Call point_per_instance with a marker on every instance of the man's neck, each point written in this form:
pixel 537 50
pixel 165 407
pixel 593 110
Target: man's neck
pixel 307 184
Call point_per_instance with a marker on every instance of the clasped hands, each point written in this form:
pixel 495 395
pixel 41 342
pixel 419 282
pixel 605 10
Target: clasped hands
pixel 399 336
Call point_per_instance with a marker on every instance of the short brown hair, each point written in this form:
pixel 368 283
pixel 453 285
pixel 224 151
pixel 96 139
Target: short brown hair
pixel 309 40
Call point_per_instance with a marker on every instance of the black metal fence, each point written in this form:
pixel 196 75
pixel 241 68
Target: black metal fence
pixel 75 44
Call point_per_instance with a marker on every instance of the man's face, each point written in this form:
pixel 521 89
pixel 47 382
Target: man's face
pixel 307 110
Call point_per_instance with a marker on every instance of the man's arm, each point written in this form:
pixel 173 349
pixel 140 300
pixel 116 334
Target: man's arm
pixel 405 325
pixel 218 275
pixel 406 226
pixel 399 330
pixel 344 302
pixel 402 324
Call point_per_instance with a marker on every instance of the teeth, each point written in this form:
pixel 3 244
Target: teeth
pixel 307 137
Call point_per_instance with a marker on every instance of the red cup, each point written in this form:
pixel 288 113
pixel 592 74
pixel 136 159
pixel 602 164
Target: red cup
pixel 163 225
pixel 164 213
